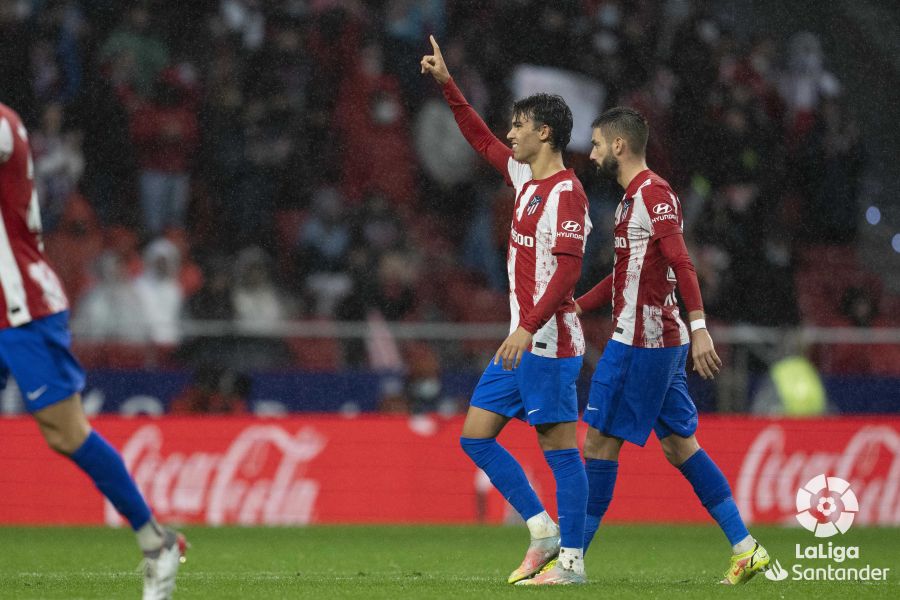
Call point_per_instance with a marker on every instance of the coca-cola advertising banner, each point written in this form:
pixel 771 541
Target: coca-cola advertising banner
pixel 329 469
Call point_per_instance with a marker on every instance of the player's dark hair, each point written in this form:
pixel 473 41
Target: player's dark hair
pixel 550 110
pixel 626 123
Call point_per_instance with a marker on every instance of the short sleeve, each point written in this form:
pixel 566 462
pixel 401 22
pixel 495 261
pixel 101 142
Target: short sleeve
pixel 571 224
pixel 664 211
pixel 6 140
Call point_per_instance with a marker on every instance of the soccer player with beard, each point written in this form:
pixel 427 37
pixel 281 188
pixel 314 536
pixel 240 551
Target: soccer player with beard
pixel 640 382
pixel 532 376
pixel 34 348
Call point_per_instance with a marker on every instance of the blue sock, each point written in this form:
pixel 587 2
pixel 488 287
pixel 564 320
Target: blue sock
pixel 714 492
pixel 505 473
pixel 601 476
pixel 571 494
pixel 104 465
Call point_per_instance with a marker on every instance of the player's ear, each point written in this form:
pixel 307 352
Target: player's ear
pixel 545 132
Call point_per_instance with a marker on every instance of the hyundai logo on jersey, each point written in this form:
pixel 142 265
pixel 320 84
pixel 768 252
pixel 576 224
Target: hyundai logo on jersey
pixel 571 226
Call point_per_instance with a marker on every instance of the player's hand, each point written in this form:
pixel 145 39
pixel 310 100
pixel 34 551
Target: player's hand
pixel 578 310
pixel 434 63
pixel 513 348
pixel 706 361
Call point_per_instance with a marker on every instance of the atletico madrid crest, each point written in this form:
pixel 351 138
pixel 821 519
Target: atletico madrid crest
pixel 532 205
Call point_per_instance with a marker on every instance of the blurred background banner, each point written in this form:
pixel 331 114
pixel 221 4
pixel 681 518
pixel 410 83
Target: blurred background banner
pixel 327 469
pixel 582 94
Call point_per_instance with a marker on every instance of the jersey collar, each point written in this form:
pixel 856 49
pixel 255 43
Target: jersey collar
pixel 636 183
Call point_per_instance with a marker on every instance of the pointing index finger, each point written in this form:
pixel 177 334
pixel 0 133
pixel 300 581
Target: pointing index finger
pixel 434 44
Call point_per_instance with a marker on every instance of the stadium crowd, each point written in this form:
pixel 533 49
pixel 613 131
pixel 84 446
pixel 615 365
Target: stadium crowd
pixel 258 161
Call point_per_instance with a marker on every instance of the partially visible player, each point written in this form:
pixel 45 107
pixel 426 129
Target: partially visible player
pixel 542 356
pixel 640 382
pixel 34 348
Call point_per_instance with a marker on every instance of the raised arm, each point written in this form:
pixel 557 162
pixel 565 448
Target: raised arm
pixel 473 128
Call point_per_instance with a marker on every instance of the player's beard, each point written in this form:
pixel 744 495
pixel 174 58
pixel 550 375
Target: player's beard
pixel 609 167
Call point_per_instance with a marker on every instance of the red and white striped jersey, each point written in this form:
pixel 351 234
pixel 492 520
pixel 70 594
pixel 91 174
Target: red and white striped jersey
pixel 29 289
pixel 551 217
pixel 645 310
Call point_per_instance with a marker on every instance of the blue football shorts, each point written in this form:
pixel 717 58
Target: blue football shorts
pixel 634 390
pixel 38 357
pixel 540 390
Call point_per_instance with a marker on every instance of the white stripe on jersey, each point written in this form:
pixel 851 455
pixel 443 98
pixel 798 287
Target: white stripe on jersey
pixel 11 281
pixel 638 241
pixel 519 173
pixel 513 301
pixel 653 326
pixel 6 140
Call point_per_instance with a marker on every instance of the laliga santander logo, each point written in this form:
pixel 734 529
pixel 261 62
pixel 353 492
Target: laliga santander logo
pixel 826 506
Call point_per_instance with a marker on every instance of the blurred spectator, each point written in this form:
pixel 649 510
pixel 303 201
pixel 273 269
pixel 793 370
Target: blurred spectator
pixel 859 306
pixel 245 18
pixel 166 134
pixel 321 254
pixel 257 302
pixel 830 166
pixel 806 82
pixel 159 293
pixel 407 25
pixel 58 164
pixel 56 56
pixel 110 310
pixel 369 108
pixel 133 54
pixel 255 297
pixel 110 166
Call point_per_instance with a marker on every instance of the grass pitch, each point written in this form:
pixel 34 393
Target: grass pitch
pixel 419 563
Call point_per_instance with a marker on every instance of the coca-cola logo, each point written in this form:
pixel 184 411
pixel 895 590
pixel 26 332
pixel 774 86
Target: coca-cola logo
pixel 870 461
pixel 257 479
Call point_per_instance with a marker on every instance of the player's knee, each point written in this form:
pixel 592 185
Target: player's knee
pixel 61 442
pixel 599 447
pixel 678 449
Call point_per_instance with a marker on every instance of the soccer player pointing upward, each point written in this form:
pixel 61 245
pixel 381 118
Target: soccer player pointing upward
pixel 532 376
pixel 640 382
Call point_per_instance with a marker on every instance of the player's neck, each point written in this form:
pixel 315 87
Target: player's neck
pixel 546 164
pixel 629 170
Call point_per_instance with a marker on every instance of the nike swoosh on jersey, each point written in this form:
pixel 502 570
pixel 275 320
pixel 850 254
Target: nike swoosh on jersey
pixel 533 411
pixel 591 408
pixel 37 393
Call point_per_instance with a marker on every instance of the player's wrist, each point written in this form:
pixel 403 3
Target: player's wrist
pixel 697 325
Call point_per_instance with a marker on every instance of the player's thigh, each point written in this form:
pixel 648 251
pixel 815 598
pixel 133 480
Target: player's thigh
pixel 495 400
pixel 628 390
pixel 37 355
pixel 678 414
pixel 548 387
pixel 607 383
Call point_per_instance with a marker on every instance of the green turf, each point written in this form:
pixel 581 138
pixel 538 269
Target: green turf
pixel 416 562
